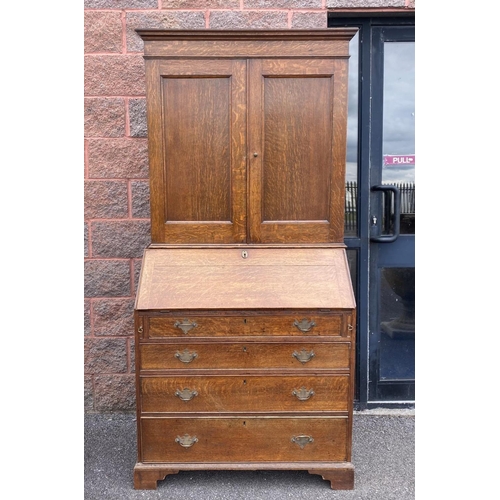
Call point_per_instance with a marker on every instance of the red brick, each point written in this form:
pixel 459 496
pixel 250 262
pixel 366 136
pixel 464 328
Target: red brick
pixel 118 159
pixel 140 199
pixel 232 19
pixel 102 32
pixel 107 278
pixel 105 356
pixel 349 4
pixel 121 4
pixel 160 20
pixel 309 20
pixel 282 4
pixel 86 240
pixel 120 239
pixel 106 199
pixel 136 272
pixel 137 118
pixel 200 4
pixel 88 394
pixel 114 75
pixel 104 118
pixel 114 393
pixel 86 317
pixel 113 317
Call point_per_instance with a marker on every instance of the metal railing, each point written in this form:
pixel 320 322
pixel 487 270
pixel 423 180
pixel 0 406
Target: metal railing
pixel 407 190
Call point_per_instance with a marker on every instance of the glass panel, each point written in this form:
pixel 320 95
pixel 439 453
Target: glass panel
pixel 398 166
pixel 351 195
pixel 352 259
pixel 397 324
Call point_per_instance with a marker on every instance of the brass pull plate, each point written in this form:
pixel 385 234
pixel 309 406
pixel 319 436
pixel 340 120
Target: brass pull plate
pixel 302 440
pixel 303 356
pixel 186 394
pixel 185 325
pixel 304 325
pixel 185 356
pixel 303 394
pixel 186 441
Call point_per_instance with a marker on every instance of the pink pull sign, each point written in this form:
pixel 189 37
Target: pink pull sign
pixel 399 159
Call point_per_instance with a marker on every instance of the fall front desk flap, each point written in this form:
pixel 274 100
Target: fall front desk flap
pixel 241 278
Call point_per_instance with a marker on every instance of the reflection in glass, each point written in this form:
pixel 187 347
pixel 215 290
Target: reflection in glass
pixel 397 324
pixel 351 194
pixel 352 259
pixel 398 149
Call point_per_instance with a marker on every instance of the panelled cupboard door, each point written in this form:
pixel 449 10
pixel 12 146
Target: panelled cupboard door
pixel 197 147
pixel 297 128
pixel 247 149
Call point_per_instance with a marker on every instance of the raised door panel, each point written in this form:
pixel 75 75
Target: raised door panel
pixel 197 141
pixel 297 150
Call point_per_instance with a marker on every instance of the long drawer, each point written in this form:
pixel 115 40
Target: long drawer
pixel 244 439
pixel 244 355
pixel 215 326
pixel 246 393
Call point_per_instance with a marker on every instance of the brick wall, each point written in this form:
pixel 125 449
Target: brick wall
pixel 116 225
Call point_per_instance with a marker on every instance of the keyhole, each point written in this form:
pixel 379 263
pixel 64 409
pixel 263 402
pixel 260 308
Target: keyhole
pixel 244 254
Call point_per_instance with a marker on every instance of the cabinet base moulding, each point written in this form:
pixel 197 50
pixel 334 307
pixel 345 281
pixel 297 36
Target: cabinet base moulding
pixel 341 476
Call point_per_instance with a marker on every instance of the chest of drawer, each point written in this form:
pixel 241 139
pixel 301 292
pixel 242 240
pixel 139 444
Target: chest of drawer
pixel 248 394
pixel 195 325
pixel 244 355
pixel 244 439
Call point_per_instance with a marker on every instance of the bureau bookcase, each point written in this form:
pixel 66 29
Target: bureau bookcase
pixel 245 312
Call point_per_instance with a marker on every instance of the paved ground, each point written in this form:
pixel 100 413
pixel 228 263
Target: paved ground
pixel 383 457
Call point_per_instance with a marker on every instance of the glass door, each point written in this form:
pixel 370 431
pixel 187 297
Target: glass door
pixel 392 216
pixel 379 229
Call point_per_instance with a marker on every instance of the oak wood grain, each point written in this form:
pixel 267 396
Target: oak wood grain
pixel 266 278
pixel 245 393
pixel 244 439
pixel 245 356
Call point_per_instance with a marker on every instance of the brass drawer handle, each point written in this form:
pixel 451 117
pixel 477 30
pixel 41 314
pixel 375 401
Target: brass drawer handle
pixel 304 325
pixel 303 356
pixel 186 441
pixel 302 440
pixel 185 356
pixel 303 394
pixel 186 394
pixel 186 325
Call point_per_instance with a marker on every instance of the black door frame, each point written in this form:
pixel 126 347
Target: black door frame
pixel 361 243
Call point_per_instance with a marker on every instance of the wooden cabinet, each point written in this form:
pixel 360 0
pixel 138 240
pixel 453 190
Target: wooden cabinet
pixel 245 313
pixel 244 360
pixel 247 135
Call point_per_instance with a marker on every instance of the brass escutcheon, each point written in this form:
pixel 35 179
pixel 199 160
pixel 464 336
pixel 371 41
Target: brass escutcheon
pixel 303 356
pixel 304 325
pixel 185 356
pixel 302 440
pixel 186 441
pixel 303 394
pixel 186 325
pixel 186 394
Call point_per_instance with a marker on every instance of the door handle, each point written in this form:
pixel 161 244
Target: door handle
pixel 396 196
